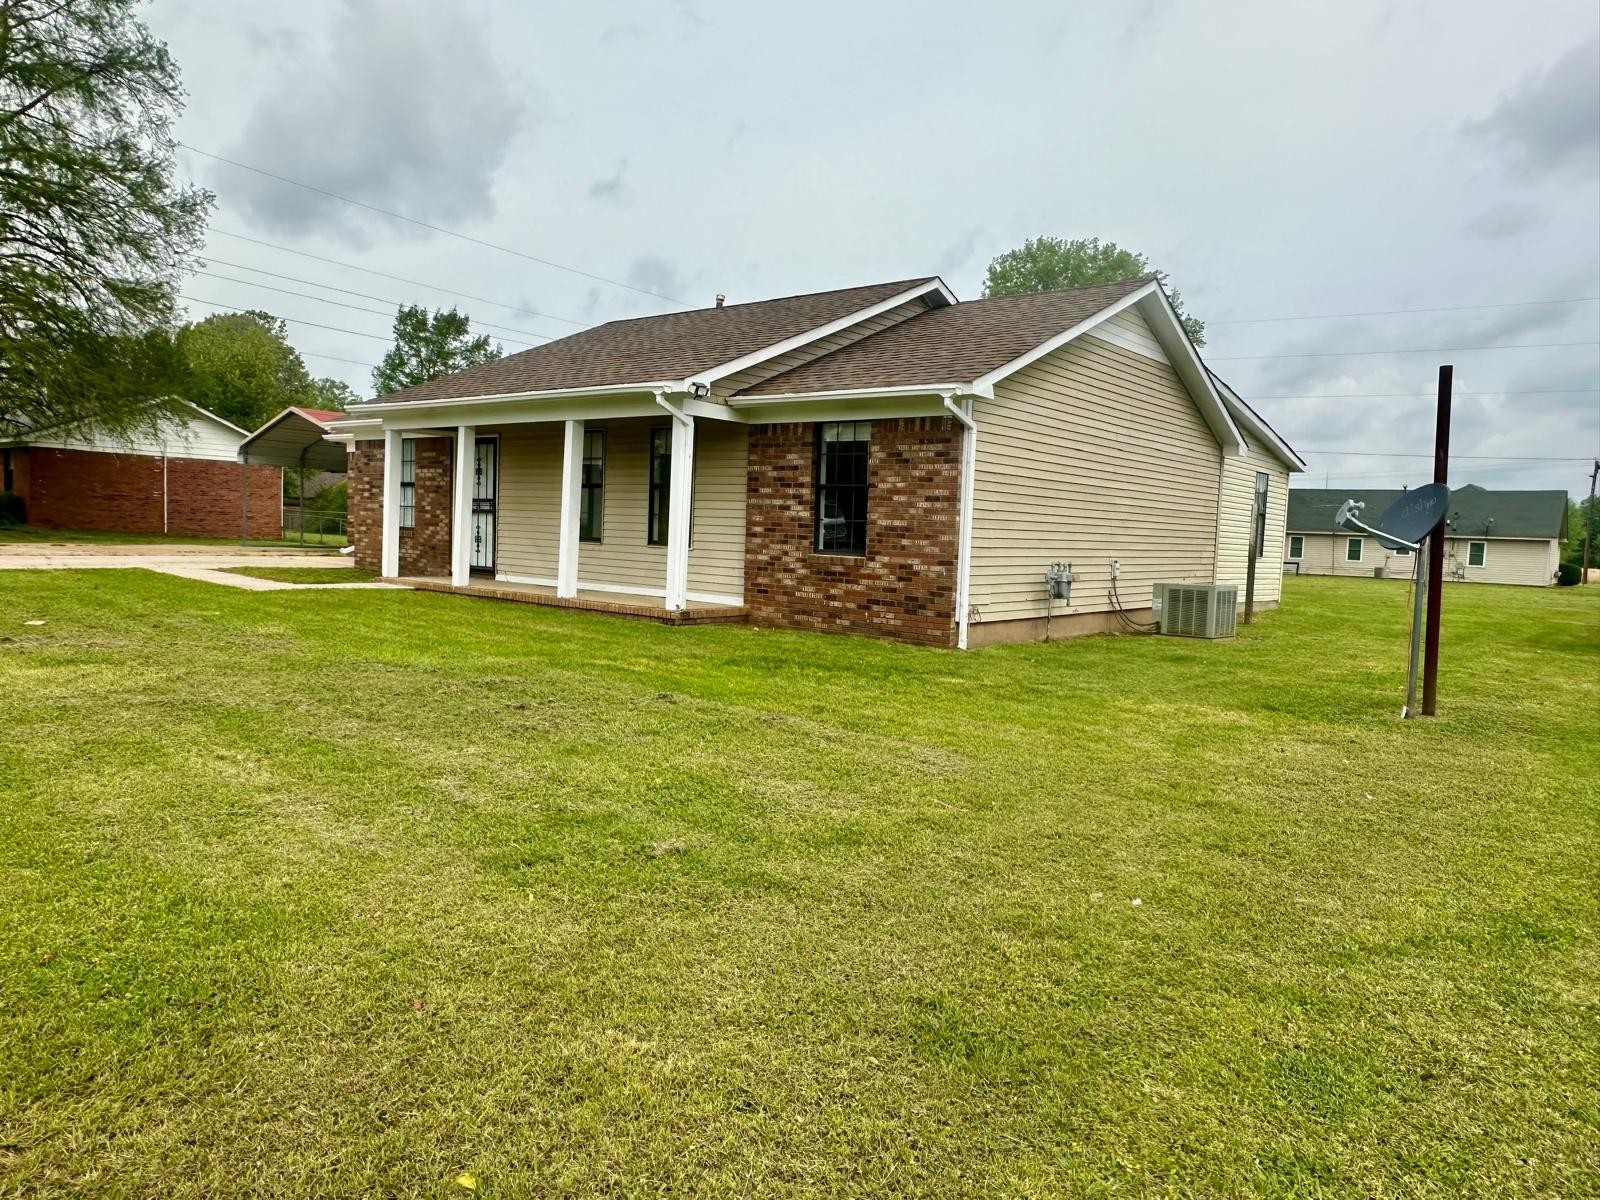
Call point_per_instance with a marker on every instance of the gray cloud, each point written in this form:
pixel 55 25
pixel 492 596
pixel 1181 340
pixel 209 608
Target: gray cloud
pixel 959 253
pixel 1505 221
pixel 611 188
pixel 656 274
pixel 1551 120
pixel 400 112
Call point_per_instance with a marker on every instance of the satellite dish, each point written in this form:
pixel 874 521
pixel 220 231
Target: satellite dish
pixel 1413 516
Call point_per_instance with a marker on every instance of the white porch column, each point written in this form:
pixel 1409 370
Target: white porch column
pixel 571 509
pixel 461 506
pixel 680 508
pixel 389 560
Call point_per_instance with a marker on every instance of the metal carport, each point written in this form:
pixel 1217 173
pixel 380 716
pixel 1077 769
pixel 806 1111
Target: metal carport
pixel 296 438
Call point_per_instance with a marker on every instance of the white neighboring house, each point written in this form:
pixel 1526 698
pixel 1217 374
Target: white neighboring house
pixel 182 477
pixel 1492 536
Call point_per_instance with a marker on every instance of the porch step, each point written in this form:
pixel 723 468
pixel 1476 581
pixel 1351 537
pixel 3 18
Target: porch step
pixel 695 614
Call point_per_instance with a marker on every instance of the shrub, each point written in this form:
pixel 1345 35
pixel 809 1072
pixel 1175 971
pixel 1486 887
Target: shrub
pixel 13 510
pixel 1567 574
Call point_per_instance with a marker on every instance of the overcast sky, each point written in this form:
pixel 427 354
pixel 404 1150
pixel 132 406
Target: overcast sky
pixel 1278 158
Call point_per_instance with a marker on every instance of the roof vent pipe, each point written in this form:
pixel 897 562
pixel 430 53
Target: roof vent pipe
pixel 720 299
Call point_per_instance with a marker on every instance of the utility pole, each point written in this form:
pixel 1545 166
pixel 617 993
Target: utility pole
pixel 1588 524
pixel 1441 475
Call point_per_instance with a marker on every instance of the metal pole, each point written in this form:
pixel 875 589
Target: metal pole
pixel 302 489
pixel 1441 474
pixel 1588 524
pixel 1418 582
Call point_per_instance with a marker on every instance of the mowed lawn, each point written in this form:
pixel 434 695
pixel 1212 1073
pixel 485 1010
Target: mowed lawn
pixel 347 893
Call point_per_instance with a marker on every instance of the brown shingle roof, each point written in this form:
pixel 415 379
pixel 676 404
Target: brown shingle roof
pixel 649 349
pixel 949 345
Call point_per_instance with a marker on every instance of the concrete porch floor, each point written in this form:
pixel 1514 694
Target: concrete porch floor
pixel 648 608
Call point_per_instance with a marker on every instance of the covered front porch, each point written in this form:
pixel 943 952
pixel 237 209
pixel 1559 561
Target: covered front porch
pixel 635 507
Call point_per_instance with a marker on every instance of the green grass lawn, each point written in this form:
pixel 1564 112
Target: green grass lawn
pixel 306 574
pixel 31 535
pixel 346 893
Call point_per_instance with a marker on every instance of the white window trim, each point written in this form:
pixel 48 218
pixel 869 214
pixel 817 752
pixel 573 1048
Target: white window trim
pixel 1478 542
pixel 1361 549
pixel 1294 554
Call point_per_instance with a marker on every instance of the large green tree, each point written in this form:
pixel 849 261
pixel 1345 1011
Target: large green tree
pixel 94 230
pixel 1048 264
pixel 335 395
pixel 427 346
pixel 242 367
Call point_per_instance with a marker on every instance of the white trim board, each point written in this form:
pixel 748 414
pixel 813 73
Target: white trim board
pixel 931 288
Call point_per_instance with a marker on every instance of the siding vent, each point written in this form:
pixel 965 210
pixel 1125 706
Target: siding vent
pixel 1203 610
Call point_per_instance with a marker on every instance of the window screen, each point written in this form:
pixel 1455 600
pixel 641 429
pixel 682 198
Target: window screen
pixel 842 451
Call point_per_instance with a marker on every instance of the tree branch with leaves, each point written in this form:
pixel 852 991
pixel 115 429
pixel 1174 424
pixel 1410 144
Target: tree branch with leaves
pixel 94 228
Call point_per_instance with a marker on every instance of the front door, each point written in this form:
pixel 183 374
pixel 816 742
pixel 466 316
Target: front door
pixel 485 488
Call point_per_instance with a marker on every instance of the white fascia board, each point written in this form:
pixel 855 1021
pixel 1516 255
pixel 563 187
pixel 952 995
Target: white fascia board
pixel 755 358
pixel 1051 345
pixel 596 408
pixel 209 415
pixel 631 389
pixel 855 407
pixel 1168 330
pixel 1259 429
pixel 251 437
pixel 935 390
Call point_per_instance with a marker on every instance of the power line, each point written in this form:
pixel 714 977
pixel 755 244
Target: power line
pixel 1432 395
pixel 437 287
pixel 340 303
pixel 1395 312
pixel 377 337
pixel 1416 350
pixel 1453 457
pixel 465 237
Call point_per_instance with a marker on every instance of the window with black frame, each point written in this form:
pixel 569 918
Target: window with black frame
pixel 842 452
pixel 408 483
pixel 1261 514
pixel 591 514
pixel 660 484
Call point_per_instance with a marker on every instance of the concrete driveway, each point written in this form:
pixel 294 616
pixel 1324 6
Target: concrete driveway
pixel 204 563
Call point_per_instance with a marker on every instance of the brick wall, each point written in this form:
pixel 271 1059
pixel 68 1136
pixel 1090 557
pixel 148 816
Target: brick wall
pixel 87 489
pixel 424 548
pixel 904 586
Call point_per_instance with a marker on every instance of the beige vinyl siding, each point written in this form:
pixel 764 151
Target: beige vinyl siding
pixel 530 508
pixel 197 436
pixel 1529 563
pixel 798 357
pixel 1092 453
pixel 721 469
pixel 1129 330
pixel 1234 525
pixel 530 500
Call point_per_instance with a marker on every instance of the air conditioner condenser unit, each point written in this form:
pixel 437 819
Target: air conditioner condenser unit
pixel 1200 610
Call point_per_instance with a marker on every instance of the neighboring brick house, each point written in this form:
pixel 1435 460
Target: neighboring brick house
pixel 182 477
pixel 879 460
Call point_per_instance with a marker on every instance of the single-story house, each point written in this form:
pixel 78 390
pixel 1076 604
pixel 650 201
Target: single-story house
pixel 182 477
pixel 1491 536
pixel 879 459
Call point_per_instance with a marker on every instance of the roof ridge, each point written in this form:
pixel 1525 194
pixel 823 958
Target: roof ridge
pixel 685 312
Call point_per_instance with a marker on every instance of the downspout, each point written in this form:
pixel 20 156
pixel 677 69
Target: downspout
pixel 164 507
pixel 969 462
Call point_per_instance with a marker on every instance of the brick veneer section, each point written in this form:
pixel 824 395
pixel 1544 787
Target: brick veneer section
pixel 424 548
pixel 88 489
pixel 904 586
